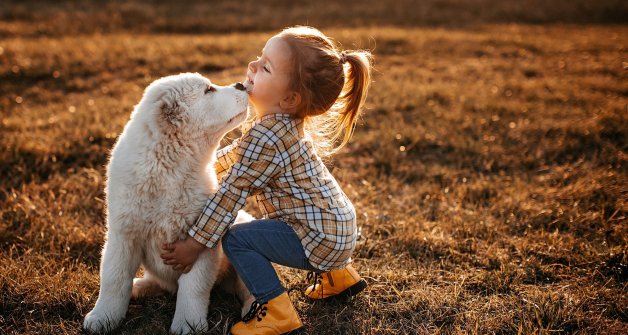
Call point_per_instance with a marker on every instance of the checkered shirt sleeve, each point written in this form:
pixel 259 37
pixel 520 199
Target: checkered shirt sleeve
pixel 256 162
pixel 225 158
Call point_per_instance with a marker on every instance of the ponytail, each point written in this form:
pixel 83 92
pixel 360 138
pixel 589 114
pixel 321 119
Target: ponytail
pixel 333 86
pixel 351 100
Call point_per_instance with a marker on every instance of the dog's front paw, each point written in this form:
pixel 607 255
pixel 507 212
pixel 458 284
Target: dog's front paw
pixel 100 322
pixel 184 326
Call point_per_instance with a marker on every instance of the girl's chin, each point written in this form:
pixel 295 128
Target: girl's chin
pixel 254 103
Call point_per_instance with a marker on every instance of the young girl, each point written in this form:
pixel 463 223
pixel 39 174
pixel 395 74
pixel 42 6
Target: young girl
pixel 307 96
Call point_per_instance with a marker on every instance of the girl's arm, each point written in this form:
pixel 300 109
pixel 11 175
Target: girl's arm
pixel 225 158
pixel 256 163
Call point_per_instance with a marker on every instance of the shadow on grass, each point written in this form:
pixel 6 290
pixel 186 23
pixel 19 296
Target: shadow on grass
pixel 533 151
pixel 342 314
pixel 21 166
pixel 20 311
pixel 14 240
pixel 44 80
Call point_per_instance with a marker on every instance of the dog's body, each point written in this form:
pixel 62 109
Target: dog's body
pixel 160 176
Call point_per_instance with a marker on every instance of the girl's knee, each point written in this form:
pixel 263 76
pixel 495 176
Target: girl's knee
pixel 225 242
pixel 229 238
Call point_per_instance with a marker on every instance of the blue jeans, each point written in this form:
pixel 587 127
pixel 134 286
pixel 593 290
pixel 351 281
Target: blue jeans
pixel 252 246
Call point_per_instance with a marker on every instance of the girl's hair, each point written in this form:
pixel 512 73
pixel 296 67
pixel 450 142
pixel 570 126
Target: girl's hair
pixel 333 85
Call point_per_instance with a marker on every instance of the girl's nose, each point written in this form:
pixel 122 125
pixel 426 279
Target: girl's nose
pixel 252 66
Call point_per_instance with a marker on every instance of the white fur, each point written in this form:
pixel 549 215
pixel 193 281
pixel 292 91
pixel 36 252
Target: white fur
pixel 159 178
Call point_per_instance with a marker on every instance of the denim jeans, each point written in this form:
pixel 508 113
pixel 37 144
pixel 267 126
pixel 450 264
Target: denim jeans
pixel 252 246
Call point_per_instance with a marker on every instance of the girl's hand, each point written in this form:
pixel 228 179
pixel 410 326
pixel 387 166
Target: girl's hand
pixel 181 254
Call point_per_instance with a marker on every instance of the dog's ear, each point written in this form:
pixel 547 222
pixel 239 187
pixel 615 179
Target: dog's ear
pixel 171 112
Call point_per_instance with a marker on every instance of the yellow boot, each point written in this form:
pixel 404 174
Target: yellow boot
pixel 275 317
pixel 335 284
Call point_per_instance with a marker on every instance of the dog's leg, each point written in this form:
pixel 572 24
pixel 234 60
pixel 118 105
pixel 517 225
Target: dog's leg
pixel 232 283
pixel 120 261
pixel 244 295
pixel 193 294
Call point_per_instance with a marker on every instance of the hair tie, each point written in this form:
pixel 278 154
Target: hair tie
pixel 343 57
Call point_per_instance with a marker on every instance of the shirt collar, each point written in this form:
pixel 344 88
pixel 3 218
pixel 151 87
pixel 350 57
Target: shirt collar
pixel 296 121
pixel 278 116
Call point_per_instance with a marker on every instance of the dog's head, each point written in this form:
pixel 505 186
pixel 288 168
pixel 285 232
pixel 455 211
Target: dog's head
pixel 190 106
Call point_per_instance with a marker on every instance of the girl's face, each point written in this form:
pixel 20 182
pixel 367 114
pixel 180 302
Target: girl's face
pixel 268 78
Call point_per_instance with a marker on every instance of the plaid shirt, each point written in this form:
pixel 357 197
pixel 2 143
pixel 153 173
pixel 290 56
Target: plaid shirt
pixel 277 164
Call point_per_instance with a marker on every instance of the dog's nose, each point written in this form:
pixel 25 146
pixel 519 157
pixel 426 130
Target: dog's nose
pixel 239 86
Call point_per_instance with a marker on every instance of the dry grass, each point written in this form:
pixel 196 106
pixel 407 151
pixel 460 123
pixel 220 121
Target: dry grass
pixel 489 172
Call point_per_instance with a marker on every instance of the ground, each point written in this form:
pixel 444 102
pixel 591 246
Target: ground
pixel 488 171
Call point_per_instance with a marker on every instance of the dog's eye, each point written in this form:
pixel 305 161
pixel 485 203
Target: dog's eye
pixel 210 89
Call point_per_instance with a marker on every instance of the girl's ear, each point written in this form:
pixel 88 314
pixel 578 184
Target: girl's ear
pixel 291 101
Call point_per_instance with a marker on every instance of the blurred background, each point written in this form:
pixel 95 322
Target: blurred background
pixel 55 18
pixel 488 171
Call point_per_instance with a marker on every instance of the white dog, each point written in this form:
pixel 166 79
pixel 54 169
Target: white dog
pixel 160 176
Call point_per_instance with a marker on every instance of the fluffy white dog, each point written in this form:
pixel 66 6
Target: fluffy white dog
pixel 159 178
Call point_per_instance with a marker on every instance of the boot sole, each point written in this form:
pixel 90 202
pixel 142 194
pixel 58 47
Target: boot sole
pixel 351 291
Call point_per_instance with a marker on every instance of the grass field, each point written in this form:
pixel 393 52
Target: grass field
pixel 489 170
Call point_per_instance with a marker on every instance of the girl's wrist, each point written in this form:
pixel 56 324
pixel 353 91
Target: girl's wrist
pixel 195 245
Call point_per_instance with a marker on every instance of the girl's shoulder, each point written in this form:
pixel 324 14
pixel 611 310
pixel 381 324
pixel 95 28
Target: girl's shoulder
pixel 278 120
pixel 276 127
pixel 276 137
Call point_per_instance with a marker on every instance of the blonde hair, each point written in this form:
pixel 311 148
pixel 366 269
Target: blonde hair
pixel 333 85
